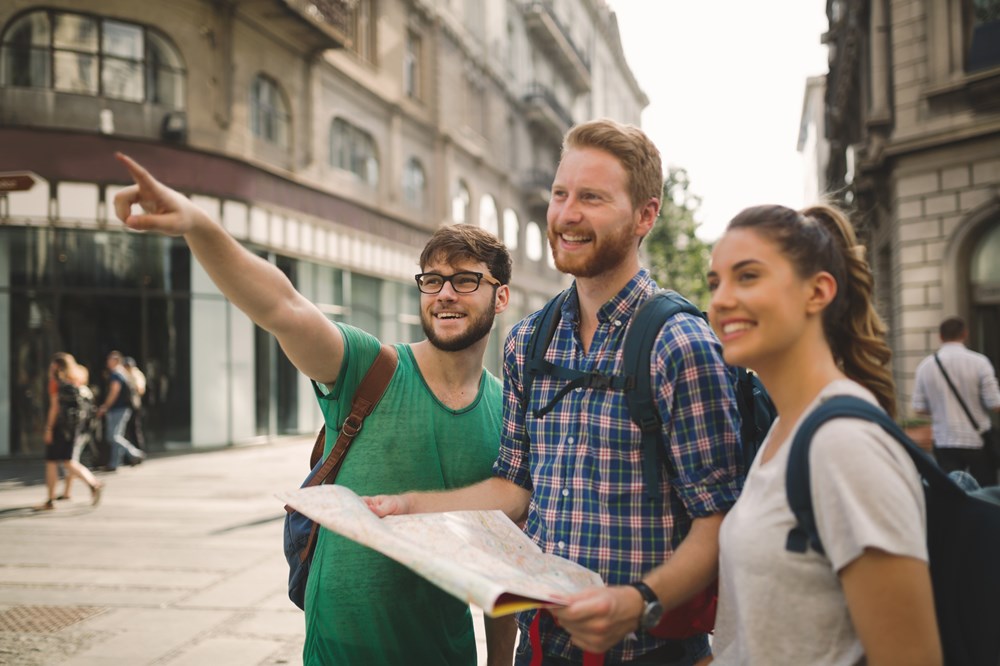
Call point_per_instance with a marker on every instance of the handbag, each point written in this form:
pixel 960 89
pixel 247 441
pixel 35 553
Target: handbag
pixel 300 532
pixel 991 437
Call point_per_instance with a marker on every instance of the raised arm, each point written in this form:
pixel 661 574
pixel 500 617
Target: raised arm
pixel 311 341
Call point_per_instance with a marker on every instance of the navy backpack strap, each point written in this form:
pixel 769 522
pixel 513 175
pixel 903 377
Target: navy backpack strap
pixel 641 400
pixel 797 480
pixel 536 365
pixel 538 342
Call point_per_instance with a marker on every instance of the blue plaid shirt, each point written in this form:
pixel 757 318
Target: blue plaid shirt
pixel 583 460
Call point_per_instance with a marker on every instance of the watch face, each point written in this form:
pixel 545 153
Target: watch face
pixel 651 615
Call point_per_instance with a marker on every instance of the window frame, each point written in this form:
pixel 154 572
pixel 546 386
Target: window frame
pixel 270 119
pixel 99 58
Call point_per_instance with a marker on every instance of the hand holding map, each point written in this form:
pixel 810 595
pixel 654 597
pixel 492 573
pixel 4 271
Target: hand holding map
pixel 480 557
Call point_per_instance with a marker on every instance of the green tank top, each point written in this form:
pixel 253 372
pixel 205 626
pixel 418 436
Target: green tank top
pixel 361 607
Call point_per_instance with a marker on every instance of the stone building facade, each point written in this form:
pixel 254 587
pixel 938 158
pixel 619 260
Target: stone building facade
pixel 330 136
pixel 913 122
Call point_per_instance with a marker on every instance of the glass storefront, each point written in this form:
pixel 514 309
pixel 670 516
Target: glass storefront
pixel 213 377
pixel 88 293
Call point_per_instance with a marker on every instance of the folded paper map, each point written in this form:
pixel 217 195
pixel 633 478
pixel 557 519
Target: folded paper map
pixel 480 557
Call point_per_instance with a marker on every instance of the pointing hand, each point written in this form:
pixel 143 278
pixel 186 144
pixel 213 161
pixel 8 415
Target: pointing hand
pixel 164 210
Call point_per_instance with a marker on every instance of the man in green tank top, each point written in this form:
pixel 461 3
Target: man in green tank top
pixel 437 427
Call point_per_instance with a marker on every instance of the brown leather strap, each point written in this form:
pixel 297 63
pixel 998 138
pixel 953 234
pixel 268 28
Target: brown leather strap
pixel 369 392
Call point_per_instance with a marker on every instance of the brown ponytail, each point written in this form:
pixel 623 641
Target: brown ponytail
pixel 821 238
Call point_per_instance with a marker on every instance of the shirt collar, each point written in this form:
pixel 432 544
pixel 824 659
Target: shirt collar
pixel 640 287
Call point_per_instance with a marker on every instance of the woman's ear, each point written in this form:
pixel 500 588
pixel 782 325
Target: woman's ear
pixel 822 290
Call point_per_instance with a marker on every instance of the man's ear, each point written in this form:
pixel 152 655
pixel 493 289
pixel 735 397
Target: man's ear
pixel 822 290
pixel 648 213
pixel 502 299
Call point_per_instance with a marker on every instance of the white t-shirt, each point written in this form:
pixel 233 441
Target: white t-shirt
pixel 780 607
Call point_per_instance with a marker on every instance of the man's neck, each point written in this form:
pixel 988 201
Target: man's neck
pixel 453 377
pixel 594 292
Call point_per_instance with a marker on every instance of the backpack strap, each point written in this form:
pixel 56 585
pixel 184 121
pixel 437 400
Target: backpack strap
pixel 798 485
pixel 536 365
pixel 366 397
pixel 639 340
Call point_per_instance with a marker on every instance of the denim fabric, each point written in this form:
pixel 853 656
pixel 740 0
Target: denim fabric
pixel 114 424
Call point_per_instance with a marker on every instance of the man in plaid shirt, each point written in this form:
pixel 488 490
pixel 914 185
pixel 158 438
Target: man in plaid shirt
pixel 575 475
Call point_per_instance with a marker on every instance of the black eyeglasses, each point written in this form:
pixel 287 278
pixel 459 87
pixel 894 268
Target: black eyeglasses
pixel 465 282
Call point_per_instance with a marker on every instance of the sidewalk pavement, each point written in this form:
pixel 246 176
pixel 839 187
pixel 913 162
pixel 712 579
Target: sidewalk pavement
pixel 180 564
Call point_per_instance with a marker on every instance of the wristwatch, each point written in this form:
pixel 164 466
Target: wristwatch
pixel 652 611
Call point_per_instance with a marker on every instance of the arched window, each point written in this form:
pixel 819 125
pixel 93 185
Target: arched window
pixel 488 218
pixel 985 268
pixel 534 248
pixel 353 149
pixel 269 117
pixel 89 55
pixel 460 203
pixel 414 183
pixel 511 228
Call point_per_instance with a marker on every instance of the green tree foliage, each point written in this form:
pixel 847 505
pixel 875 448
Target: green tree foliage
pixel 678 259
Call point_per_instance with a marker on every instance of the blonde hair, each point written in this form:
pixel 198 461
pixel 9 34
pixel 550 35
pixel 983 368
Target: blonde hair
pixel 821 238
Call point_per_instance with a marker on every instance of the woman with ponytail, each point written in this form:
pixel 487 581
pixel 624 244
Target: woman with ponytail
pixel 792 299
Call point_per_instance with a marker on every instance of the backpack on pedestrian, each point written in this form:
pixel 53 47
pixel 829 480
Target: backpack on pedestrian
pixel 73 410
pixel 963 536
pixel 697 616
pixel 300 532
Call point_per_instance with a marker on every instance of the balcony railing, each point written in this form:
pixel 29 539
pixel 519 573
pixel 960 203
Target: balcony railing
pixel 542 107
pixel 553 37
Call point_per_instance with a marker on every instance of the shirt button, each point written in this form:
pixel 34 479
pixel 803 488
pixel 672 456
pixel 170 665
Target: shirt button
pixel 565 492
pixel 561 545
pixel 570 440
pixel 617 322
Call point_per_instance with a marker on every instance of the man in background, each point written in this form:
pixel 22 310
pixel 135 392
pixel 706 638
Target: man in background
pixel 958 444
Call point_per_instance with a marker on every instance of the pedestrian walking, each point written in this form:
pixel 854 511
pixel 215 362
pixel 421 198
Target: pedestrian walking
pixel 116 410
pixel 137 385
pixel 958 388
pixel 63 427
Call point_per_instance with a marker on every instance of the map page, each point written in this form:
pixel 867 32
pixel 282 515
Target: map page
pixel 480 557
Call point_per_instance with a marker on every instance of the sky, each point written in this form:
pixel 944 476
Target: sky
pixel 725 81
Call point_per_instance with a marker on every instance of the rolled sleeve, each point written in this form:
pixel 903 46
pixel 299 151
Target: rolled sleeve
pixel 701 419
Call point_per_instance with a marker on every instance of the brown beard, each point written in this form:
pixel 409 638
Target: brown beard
pixel 607 255
pixel 478 329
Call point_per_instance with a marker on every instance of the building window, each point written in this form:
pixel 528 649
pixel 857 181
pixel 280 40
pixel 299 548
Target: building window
pixel 412 58
pixel 353 149
pixel 361 25
pixel 460 203
pixel 984 42
pixel 511 228
pixel 92 56
pixel 534 248
pixel 269 117
pixel 488 218
pixel 414 183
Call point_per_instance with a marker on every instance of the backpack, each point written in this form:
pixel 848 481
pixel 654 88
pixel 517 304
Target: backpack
pixel 963 537
pixel 697 615
pixel 73 410
pixel 753 403
pixel 300 531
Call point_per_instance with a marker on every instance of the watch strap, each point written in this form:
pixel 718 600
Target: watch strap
pixel 646 591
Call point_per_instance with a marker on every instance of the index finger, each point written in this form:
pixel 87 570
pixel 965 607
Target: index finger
pixel 136 170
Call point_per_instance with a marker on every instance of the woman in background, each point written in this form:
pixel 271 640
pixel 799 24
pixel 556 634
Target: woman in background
pixel 63 426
